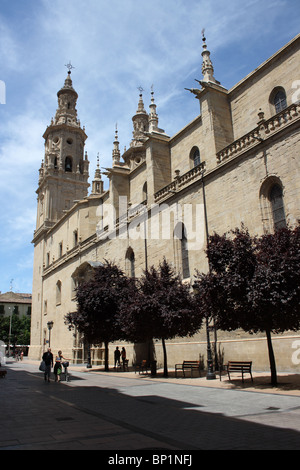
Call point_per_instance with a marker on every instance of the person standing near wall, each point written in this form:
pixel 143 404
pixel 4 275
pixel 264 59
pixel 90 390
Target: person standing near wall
pixel 48 359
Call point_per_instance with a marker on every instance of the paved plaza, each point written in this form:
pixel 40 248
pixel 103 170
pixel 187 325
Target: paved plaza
pixel 126 411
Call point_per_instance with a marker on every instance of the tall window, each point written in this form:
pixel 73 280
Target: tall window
pixel 276 200
pixel 145 192
pixel 184 255
pixel 278 99
pixel 195 157
pixel 130 262
pixel 75 238
pixel 183 252
pixel 68 164
pixel 58 292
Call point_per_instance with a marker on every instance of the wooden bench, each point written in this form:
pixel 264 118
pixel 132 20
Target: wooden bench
pixel 141 367
pixel 240 366
pixel 188 365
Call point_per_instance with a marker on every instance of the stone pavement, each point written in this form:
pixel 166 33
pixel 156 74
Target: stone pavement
pixel 116 411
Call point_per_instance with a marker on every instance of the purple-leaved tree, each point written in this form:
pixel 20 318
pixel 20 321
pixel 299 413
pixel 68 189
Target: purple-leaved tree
pixel 162 308
pixel 253 284
pixel 99 301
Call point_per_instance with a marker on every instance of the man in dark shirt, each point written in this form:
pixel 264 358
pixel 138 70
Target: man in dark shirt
pixel 117 356
pixel 48 359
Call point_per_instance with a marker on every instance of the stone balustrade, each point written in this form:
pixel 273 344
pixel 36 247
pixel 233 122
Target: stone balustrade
pixel 264 130
pixel 180 182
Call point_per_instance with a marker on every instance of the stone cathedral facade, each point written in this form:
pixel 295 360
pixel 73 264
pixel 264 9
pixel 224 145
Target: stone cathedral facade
pixel 237 162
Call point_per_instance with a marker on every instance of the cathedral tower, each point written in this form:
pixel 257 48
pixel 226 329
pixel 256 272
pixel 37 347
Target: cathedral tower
pixel 63 176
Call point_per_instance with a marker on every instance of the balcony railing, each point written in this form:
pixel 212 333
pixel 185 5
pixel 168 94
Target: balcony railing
pixel 264 130
pixel 180 182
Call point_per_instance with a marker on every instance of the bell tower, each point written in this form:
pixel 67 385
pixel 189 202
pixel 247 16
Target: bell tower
pixel 64 173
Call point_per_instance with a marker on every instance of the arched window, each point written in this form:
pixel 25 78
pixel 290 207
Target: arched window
pixel 278 100
pixel 195 156
pixel 272 204
pixel 130 262
pixel 277 206
pixel 68 164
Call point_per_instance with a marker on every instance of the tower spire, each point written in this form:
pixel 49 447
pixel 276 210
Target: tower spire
pixel 97 183
pixel 140 123
pixel 153 117
pixel 67 99
pixel 64 174
pixel 207 66
pixel 116 154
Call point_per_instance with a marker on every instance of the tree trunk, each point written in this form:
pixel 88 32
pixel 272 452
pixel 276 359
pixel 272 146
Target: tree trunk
pixel 106 356
pixel 165 358
pixel 272 360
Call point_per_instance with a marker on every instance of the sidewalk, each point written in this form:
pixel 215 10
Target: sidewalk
pixel 288 383
pixel 127 411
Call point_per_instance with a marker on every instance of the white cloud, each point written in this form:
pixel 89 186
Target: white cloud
pixel 115 46
pixel 9 48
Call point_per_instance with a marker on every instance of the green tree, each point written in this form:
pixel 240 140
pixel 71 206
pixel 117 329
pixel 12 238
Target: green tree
pixel 20 330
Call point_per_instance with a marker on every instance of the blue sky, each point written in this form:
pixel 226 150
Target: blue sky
pixel 115 46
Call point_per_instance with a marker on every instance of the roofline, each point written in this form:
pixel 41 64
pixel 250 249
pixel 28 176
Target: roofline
pixel 185 128
pixel 264 64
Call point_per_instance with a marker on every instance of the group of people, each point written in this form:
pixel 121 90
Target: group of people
pixel 49 362
pixel 120 355
pixel 60 360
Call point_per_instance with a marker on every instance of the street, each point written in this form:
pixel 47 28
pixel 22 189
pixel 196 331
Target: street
pixel 128 412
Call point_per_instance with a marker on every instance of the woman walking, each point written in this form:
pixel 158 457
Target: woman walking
pixel 58 365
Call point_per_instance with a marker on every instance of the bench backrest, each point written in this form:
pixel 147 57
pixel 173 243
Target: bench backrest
pixel 192 363
pixel 240 364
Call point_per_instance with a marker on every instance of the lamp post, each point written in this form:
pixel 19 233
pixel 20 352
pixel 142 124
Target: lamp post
pixel 89 359
pixel 50 326
pixel 210 373
pixel 9 334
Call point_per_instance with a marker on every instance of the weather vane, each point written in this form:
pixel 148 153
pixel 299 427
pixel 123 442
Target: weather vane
pixel 69 66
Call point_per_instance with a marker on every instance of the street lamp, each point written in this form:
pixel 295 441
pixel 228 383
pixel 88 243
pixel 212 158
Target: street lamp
pixel 9 334
pixel 50 326
pixel 89 358
pixel 210 373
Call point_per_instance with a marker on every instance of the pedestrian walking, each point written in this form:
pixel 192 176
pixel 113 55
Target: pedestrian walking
pixel 48 360
pixel 117 356
pixel 58 365
pixel 123 356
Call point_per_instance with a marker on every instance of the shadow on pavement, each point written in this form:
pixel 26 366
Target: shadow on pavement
pixel 38 415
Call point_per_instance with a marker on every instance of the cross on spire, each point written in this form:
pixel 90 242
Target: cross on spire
pixel 69 67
